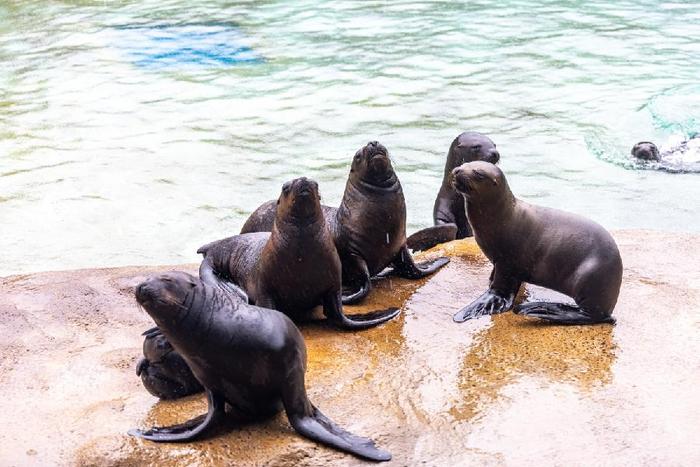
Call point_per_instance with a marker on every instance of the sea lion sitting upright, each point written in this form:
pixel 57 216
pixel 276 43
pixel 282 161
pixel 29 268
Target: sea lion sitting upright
pixel 252 358
pixel 543 246
pixel 369 227
pixel 449 205
pixel 163 371
pixel 291 269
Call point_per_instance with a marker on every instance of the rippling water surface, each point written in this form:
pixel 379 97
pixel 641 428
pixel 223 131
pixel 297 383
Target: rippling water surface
pixel 132 132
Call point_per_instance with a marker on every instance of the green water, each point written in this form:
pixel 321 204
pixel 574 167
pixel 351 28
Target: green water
pixel 108 160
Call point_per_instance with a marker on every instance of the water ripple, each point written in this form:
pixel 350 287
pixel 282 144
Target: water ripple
pixel 203 140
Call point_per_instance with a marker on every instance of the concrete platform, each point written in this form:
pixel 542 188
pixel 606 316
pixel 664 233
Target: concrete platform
pixel 501 391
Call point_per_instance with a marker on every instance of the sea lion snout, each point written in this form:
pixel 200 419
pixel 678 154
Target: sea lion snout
pixel 304 186
pixel 374 148
pixel 493 156
pixel 460 180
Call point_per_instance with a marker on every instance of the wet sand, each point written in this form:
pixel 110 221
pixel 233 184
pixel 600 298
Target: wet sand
pixel 501 391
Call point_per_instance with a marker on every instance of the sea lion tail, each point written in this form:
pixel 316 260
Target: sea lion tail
pixel 429 237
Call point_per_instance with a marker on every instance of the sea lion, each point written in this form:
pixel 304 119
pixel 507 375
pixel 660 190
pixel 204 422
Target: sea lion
pixel 252 358
pixel 449 205
pixel 369 227
pixel 542 246
pixel 291 269
pixel 646 151
pixel 681 155
pixel 163 371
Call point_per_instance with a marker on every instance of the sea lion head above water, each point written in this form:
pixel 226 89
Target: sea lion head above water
pixel 646 151
pixel 372 166
pixel 298 201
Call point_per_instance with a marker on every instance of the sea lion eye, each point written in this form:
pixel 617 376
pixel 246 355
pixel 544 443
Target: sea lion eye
pixel 286 187
pixel 476 148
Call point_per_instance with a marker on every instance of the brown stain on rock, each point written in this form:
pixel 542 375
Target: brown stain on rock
pixel 493 391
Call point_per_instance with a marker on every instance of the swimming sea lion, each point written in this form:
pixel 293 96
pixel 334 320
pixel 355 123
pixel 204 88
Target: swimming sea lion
pixel 163 371
pixel 252 358
pixel 293 268
pixel 679 156
pixel 369 227
pixel 449 205
pixel 542 246
pixel 646 151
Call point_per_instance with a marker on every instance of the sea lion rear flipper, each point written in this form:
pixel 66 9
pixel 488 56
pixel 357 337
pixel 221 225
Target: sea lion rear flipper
pixel 209 276
pixel 333 309
pixel 489 303
pixel 309 422
pixel 431 236
pixel 358 265
pixel 189 430
pixel 404 265
pixel 561 313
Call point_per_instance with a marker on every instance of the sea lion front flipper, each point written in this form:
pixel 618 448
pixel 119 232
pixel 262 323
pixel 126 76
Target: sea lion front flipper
pixel 358 266
pixel 309 422
pixel 503 287
pixel 154 331
pixel 208 275
pixel 431 236
pixel 189 430
pixel 404 265
pixel 561 313
pixel 489 303
pixel 333 309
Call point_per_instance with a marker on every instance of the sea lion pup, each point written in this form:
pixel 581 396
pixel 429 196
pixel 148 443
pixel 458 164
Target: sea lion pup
pixel 291 269
pixel 450 208
pixel 369 227
pixel 542 246
pixel 252 358
pixel 163 371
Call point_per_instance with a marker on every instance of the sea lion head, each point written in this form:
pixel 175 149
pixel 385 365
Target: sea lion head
pixel 155 347
pixel 471 146
pixel 479 181
pixel 299 200
pixel 372 165
pixel 646 151
pixel 167 297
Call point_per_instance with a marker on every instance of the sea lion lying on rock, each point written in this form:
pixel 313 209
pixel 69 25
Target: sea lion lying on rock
pixel 369 227
pixel 251 358
pixel 163 371
pixel 291 269
pixel 542 246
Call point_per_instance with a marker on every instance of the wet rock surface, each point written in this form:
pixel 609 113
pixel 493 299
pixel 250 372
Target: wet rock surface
pixel 496 391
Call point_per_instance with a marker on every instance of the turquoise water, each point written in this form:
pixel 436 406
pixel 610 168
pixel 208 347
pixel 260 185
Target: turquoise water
pixel 107 159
